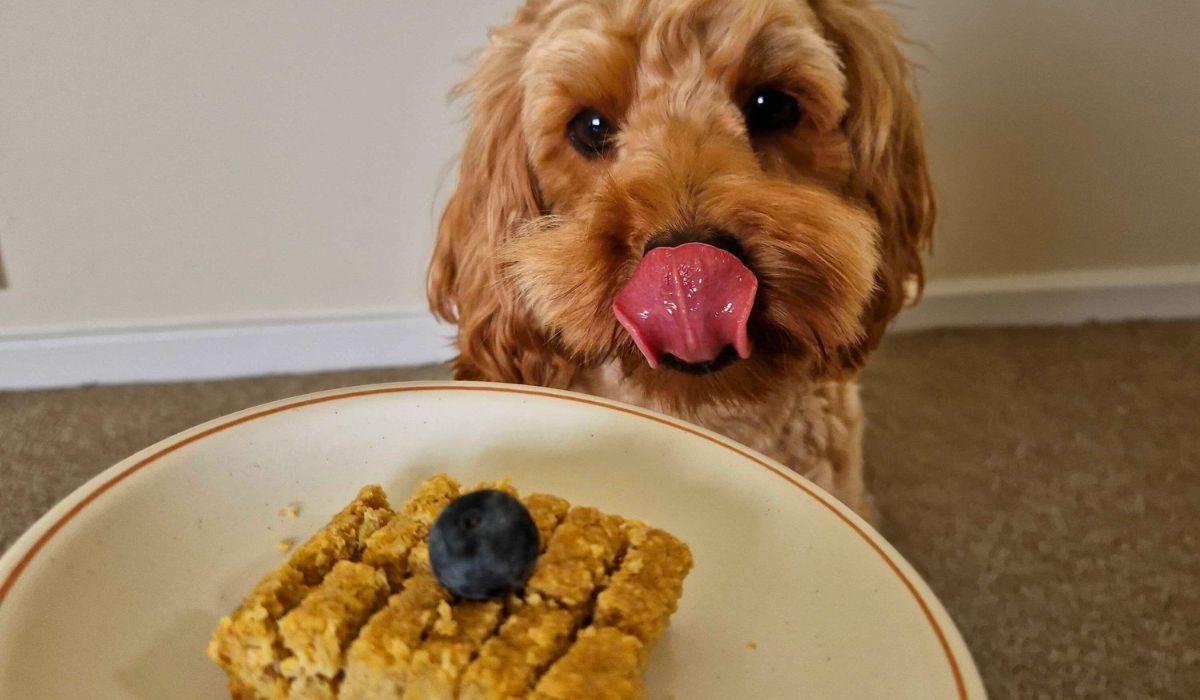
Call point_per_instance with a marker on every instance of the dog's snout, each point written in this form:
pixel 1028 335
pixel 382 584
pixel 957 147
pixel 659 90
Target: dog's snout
pixel 714 237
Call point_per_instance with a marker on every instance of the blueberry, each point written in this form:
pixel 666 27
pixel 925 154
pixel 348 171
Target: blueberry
pixel 483 545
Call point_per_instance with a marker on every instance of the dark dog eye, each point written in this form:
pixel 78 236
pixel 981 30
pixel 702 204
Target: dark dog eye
pixel 769 111
pixel 590 133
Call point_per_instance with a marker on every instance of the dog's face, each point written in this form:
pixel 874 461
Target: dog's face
pixel 607 135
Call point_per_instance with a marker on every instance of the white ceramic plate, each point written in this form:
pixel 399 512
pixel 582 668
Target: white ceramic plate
pixel 114 592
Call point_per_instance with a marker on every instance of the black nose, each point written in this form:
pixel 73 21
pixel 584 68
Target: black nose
pixel 714 237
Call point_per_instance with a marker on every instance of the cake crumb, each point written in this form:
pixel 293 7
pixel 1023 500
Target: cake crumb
pixel 284 545
pixel 290 511
pixel 751 645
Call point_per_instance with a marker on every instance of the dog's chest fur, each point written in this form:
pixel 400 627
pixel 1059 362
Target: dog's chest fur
pixel 815 428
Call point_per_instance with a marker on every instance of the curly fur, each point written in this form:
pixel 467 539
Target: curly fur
pixel 833 216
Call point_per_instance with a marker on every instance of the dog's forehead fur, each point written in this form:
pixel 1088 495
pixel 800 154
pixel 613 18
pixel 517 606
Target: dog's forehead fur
pixel 606 53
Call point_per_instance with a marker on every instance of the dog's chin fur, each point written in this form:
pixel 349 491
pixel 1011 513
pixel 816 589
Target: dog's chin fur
pixel 831 216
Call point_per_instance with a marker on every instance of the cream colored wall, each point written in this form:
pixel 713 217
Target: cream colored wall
pixel 169 163
pixel 1064 134
pixel 192 163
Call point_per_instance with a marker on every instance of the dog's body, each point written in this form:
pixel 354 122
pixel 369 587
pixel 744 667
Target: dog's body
pixel 712 208
pixel 815 428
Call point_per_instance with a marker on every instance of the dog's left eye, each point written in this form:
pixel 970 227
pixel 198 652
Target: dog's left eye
pixel 590 133
pixel 768 111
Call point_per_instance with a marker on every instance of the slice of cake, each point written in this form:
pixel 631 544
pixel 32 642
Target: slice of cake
pixel 468 594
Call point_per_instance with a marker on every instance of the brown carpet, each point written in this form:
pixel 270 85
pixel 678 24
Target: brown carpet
pixel 1044 481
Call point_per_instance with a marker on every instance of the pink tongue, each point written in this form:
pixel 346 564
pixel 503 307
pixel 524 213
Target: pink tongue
pixel 690 301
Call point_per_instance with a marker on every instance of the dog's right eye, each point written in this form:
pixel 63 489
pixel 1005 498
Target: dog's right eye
pixel 590 133
pixel 770 111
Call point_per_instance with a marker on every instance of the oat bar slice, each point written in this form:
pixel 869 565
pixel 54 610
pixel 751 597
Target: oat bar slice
pixel 643 592
pixel 318 630
pixel 312 688
pixel 344 537
pixel 453 641
pixel 391 546
pixel 547 513
pixel 531 638
pixel 604 663
pixel 246 643
pixel 377 661
pixel 578 557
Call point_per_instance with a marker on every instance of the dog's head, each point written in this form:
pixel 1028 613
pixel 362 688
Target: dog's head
pixel 715 194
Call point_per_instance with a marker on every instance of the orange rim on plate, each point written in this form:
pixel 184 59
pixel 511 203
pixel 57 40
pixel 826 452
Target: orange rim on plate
pixel 87 500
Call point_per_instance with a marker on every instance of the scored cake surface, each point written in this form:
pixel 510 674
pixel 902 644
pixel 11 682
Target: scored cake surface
pixel 357 612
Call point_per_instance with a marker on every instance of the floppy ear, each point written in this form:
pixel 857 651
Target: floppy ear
pixel 495 193
pixel 890 174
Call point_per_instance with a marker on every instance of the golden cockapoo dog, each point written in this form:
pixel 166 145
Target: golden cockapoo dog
pixel 706 207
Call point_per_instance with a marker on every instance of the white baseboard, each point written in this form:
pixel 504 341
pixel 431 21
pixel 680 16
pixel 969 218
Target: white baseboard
pixel 1063 298
pixel 177 354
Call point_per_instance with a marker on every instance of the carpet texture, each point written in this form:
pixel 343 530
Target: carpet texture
pixel 1045 482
